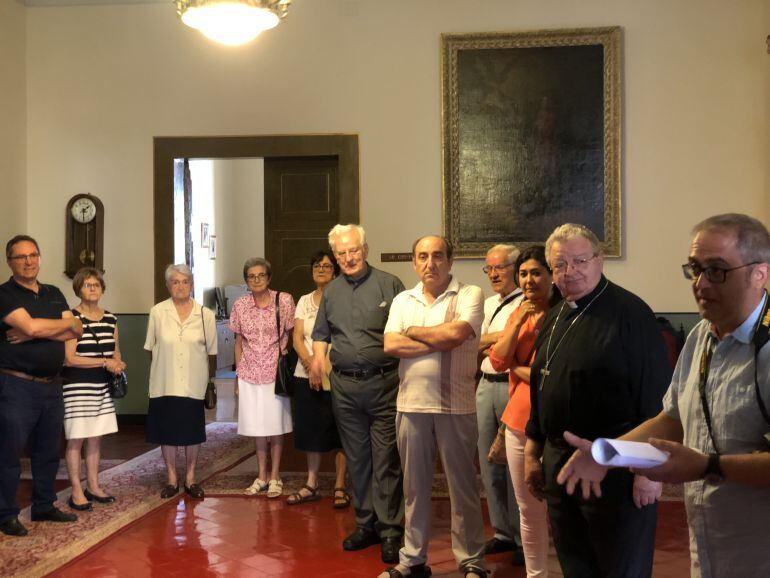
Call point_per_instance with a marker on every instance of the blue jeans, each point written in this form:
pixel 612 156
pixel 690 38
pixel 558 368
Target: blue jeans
pixel 33 412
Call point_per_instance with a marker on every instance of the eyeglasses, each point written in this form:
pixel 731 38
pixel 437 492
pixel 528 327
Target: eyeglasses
pixel 257 277
pixel 495 268
pixel 578 263
pixel 92 285
pixel 323 266
pixel 29 257
pixel 349 252
pixel 177 282
pixel 714 274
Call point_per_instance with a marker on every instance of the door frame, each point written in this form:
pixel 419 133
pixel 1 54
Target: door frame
pixel 166 149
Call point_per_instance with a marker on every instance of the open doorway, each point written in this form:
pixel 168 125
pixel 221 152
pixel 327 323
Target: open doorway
pixel 291 222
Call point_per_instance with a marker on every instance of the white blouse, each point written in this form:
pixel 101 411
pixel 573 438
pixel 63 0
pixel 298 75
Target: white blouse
pixel 180 365
pixel 307 311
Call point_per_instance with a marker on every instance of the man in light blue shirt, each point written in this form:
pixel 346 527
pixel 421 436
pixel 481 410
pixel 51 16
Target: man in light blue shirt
pixel 714 424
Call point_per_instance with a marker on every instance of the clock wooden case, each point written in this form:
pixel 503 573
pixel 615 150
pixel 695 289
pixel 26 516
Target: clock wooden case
pixel 84 243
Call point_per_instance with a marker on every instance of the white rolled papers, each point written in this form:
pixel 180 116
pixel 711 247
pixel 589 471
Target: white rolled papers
pixel 625 454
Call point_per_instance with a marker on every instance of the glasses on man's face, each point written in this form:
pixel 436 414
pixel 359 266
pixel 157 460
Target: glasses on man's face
pixel 92 285
pixel 28 257
pixel 323 267
pixel 578 263
pixel 178 282
pixel 349 252
pixel 495 268
pixel 714 274
pixel 256 277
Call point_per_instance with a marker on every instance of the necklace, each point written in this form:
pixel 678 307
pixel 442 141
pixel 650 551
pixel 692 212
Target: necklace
pixel 545 372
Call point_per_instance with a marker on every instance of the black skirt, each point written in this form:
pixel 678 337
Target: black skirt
pixel 176 421
pixel 314 427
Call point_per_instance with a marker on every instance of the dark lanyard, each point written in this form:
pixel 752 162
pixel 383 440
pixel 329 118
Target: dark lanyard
pixel 760 336
pixel 503 304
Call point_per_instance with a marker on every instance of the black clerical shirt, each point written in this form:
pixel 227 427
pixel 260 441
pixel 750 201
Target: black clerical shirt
pixel 606 374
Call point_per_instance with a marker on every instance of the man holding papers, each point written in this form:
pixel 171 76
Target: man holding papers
pixel 714 424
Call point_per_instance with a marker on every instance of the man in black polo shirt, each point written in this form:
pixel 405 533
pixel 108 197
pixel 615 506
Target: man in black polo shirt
pixel 352 316
pixel 36 322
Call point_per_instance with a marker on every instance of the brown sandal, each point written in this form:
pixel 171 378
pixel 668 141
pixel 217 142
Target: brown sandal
pixel 297 498
pixel 341 501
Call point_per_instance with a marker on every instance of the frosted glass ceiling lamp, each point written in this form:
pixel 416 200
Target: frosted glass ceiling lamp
pixel 232 22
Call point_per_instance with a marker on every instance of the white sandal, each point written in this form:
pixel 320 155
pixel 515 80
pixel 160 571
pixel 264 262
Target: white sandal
pixel 258 487
pixel 275 489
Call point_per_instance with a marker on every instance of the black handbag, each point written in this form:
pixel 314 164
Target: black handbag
pixel 287 362
pixel 118 382
pixel 118 385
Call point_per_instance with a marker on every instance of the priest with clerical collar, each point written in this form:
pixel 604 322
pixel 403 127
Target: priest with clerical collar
pixel 600 369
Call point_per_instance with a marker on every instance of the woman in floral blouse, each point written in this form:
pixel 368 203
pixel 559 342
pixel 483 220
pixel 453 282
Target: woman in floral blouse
pixel 262 414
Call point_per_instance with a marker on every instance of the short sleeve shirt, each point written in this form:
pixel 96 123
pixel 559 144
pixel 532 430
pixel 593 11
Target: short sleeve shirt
pixel 38 357
pixel 728 521
pixel 306 311
pixel 498 323
pixel 259 332
pixel 439 382
pixel 180 350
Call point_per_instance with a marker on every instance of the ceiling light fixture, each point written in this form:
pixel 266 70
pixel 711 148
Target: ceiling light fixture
pixel 232 22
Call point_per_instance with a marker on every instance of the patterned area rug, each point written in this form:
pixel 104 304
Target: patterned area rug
pixel 135 484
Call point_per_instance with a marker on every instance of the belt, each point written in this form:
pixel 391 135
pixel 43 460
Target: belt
pixel 367 373
pixel 496 377
pixel 559 443
pixel 26 376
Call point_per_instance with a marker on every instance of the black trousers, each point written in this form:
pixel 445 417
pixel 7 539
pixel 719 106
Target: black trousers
pixel 30 412
pixel 606 537
pixel 365 411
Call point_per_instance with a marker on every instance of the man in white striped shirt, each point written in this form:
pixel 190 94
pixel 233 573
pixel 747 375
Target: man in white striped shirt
pixel 434 329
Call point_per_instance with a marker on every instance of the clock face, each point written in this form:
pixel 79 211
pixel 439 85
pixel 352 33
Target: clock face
pixel 83 210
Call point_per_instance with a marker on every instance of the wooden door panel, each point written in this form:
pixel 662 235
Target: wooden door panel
pixel 301 205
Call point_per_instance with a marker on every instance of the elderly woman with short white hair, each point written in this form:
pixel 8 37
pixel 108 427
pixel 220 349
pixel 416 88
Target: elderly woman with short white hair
pixel 182 341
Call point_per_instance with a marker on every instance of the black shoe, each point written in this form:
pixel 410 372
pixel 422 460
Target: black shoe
pixel 194 491
pixel 80 507
pixel 94 498
pixel 360 539
pixel 54 515
pixel 495 546
pixel 169 491
pixel 389 550
pixel 12 527
pixel 518 557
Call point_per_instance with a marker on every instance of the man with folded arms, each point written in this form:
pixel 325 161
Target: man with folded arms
pixel 714 424
pixel 434 329
pixel 364 383
pixel 36 322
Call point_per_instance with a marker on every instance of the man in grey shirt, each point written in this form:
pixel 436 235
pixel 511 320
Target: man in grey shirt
pixel 364 384
pixel 714 424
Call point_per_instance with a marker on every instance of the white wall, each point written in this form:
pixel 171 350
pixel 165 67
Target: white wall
pixel 13 120
pixel 104 80
pixel 240 222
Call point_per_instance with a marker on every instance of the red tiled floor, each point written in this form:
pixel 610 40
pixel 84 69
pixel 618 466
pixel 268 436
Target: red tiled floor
pixel 254 537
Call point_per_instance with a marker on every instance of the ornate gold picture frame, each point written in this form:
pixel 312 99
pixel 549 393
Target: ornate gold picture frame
pixel 531 136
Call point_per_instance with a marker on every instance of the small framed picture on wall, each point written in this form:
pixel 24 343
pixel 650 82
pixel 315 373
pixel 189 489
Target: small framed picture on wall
pixel 204 235
pixel 212 247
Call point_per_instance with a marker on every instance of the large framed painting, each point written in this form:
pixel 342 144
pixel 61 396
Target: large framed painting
pixel 531 136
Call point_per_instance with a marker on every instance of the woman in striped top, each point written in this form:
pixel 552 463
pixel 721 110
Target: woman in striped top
pixel 88 409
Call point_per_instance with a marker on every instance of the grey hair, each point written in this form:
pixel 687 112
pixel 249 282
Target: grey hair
pixel 181 269
pixel 257 262
pixel 339 230
pixel 752 235
pixel 569 231
pixel 512 253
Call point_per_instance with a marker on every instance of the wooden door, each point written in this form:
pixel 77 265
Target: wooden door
pixel 302 203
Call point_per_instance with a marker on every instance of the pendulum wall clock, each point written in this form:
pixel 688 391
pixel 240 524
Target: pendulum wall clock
pixel 85 234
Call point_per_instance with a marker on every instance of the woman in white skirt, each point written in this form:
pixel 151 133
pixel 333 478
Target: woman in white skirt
pixel 262 414
pixel 88 409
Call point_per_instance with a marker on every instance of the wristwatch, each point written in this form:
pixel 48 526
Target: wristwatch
pixel 713 473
